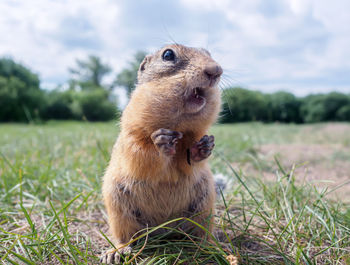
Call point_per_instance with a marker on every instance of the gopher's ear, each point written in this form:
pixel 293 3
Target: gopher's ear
pixel 143 65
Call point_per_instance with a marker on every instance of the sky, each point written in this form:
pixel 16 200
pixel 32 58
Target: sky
pixel 300 46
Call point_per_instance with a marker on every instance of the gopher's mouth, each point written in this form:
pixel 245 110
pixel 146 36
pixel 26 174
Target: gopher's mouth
pixel 196 100
pixel 197 96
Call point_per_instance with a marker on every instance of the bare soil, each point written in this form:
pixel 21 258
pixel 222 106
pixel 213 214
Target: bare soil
pixel 321 157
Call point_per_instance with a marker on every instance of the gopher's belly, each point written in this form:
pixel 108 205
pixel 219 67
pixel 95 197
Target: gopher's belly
pixel 154 203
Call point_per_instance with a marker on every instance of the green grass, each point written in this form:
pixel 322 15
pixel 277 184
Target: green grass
pixel 51 210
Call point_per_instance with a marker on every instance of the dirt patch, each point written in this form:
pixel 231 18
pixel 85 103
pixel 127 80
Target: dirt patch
pixel 328 133
pixel 92 225
pixel 325 165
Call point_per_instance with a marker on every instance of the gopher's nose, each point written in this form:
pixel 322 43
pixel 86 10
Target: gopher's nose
pixel 213 70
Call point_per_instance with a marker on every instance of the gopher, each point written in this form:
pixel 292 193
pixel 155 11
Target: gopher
pixel 158 169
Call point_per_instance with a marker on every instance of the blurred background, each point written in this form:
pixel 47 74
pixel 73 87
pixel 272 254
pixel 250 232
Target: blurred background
pixel 286 61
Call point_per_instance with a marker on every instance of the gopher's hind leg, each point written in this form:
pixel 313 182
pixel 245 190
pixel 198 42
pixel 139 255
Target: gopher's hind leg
pixel 123 225
pixel 114 256
pixel 201 206
pixel 122 231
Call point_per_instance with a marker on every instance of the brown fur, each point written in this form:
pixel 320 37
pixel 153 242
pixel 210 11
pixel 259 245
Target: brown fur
pixel 142 186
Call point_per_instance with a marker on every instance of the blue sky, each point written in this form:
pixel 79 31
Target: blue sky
pixel 302 46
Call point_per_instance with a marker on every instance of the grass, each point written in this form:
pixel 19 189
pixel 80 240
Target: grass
pixel 51 210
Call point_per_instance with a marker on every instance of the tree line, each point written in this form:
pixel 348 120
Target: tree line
pixel 241 105
pixel 90 97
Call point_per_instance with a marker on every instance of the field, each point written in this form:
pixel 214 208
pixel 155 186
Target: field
pixel 286 197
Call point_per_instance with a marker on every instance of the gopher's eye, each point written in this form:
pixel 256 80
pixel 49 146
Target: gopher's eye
pixel 168 55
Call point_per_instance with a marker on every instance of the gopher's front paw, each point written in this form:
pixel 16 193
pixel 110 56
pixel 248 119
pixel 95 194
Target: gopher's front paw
pixel 202 149
pixel 165 140
pixel 114 256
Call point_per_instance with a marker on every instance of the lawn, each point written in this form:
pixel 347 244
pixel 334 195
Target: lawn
pixel 286 199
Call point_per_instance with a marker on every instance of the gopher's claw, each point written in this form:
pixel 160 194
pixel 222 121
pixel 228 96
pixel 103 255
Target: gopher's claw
pixel 202 149
pixel 166 140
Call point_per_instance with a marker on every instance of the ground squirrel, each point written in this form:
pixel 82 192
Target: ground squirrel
pixel 158 168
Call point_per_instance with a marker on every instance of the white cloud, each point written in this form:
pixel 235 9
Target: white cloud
pixel 31 33
pixel 261 43
pixel 307 24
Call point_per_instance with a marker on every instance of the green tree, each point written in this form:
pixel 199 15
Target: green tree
pixel 20 96
pixel 325 107
pixel 62 105
pixel 284 107
pixel 88 74
pixel 95 106
pixel 241 105
pixel 128 76
pixel 9 68
pixel 93 101
pixel 343 114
